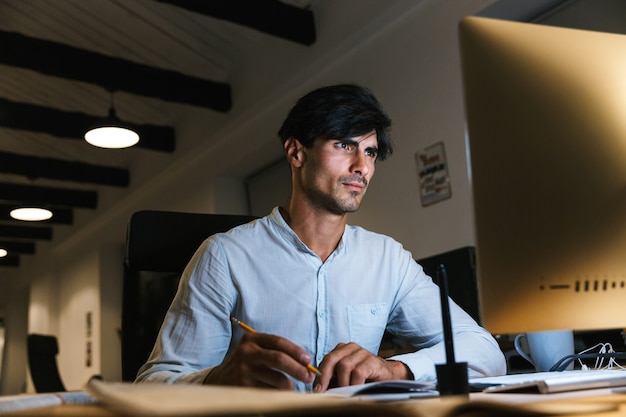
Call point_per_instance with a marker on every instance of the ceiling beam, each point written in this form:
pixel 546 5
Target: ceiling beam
pixel 59 215
pixel 26 232
pixel 10 261
pixel 18 247
pixel 73 125
pixel 34 167
pixel 269 16
pixel 111 73
pixel 54 197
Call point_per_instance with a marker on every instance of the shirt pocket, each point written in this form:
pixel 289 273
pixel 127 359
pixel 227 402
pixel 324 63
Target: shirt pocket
pixel 367 323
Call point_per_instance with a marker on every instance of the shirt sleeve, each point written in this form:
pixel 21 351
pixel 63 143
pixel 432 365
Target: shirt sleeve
pixel 417 319
pixel 195 335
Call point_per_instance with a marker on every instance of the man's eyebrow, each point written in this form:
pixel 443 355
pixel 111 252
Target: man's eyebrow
pixel 353 141
pixel 348 140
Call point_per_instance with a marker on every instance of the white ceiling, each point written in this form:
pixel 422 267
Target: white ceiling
pixel 143 31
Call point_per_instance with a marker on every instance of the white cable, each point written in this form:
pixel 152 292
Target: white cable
pixel 603 348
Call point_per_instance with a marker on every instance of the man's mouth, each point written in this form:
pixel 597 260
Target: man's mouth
pixel 358 184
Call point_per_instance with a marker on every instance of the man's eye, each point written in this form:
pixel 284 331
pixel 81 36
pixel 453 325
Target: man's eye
pixel 347 146
pixel 372 153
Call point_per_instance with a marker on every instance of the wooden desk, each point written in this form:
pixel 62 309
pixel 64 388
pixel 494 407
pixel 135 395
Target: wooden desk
pixel 577 402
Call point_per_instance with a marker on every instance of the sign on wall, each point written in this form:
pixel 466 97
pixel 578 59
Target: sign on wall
pixel 432 170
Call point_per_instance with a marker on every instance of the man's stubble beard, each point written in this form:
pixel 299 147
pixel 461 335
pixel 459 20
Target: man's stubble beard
pixel 332 202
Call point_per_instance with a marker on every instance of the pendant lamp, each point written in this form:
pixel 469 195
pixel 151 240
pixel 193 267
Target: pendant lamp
pixel 111 132
pixel 31 213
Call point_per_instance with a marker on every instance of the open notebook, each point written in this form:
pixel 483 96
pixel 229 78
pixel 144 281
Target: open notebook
pixel 387 390
pixel 550 382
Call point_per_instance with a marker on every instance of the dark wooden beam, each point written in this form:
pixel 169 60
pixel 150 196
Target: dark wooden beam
pixel 26 232
pixel 73 125
pixel 268 16
pixel 12 261
pixel 111 73
pixel 18 247
pixel 54 197
pixel 59 215
pixel 35 167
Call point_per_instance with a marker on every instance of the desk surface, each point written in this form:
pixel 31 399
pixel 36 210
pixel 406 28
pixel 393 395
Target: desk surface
pixel 578 403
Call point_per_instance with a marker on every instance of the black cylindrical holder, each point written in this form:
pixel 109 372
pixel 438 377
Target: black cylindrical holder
pixel 452 378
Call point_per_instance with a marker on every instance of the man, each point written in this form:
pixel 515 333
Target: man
pixel 318 291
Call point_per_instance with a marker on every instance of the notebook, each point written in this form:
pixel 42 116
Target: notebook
pixel 387 390
pixel 551 382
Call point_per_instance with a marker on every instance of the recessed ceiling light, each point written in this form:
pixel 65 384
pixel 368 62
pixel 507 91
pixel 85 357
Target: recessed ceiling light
pixel 31 214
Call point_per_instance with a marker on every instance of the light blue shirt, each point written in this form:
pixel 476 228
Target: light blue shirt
pixel 265 276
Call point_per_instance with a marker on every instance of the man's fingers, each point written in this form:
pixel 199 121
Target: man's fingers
pixel 270 378
pixel 276 353
pixel 350 364
pixel 332 366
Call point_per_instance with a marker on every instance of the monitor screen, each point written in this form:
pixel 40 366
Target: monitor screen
pixel 546 130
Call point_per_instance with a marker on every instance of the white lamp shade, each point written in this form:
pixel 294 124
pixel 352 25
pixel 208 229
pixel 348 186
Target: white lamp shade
pixel 111 137
pixel 111 133
pixel 31 214
pixel 3 253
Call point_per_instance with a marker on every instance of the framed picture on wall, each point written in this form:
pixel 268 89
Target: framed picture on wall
pixel 432 171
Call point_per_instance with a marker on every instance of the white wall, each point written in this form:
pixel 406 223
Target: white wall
pixel 2 331
pixel 14 356
pixel 43 310
pixel 79 295
pixel 404 50
pixel 110 346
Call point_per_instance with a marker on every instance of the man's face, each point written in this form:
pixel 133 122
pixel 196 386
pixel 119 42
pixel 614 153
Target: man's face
pixel 337 171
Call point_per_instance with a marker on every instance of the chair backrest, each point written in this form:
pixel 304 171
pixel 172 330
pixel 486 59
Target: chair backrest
pixel 159 244
pixel 42 352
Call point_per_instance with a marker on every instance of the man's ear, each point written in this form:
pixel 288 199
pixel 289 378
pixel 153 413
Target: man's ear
pixel 294 151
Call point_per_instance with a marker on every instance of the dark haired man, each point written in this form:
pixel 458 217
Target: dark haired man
pixel 317 289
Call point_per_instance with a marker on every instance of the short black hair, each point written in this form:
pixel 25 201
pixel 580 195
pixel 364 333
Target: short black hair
pixel 338 112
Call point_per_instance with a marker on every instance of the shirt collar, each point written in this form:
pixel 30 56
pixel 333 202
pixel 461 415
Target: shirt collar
pixel 287 232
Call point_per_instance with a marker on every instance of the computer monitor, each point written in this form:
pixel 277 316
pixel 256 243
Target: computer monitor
pixel 546 130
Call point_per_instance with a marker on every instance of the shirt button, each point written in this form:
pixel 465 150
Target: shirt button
pixel 322 315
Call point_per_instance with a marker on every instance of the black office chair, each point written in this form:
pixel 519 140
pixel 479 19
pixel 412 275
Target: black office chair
pixel 159 244
pixel 42 352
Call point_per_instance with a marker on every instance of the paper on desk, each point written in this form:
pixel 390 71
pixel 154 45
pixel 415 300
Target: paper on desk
pixel 551 382
pixel 9 403
pixel 158 399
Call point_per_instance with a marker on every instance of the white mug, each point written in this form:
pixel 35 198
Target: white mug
pixel 544 349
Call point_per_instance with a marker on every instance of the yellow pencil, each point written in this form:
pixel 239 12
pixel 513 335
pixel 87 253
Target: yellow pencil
pixel 244 326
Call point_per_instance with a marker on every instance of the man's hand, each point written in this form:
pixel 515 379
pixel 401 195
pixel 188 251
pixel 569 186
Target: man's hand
pixel 350 364
pixel 262 360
